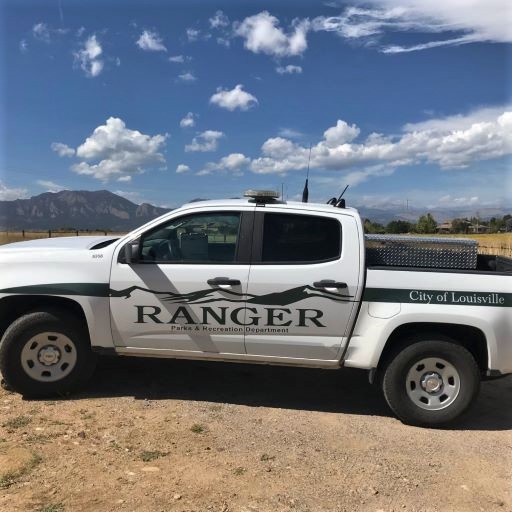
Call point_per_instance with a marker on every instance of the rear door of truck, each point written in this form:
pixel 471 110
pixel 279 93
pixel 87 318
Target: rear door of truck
pixel 305 283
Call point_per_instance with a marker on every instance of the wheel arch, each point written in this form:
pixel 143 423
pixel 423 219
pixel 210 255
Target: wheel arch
pixel 470 337
pixel 13 307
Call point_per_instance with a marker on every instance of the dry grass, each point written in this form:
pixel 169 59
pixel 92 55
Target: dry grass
pixel 7 237
pixel 12 476
pixel 499 243
pixel 496 243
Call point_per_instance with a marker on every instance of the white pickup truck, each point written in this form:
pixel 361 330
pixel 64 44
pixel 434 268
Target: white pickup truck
pixel 254 280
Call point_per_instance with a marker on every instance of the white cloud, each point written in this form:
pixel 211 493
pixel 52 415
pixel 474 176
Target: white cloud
pixel 137 198
pixel 219 20
pixel 234 98
pixel 131 196
pixel 446 23
pixel 114 151
pixel 262 34
pixel 452 22
pixel 428 200
pixel 187 77
pixel 205 141
pixel 88 57
pixel 10 194
pixel 340 134
pixel 177 58
pixel 470 20
pixel 193 34
pixel 150 41
pixel 290 134
pixel 41 32
pixel 290 69
pixel 96 67
pixel 125 179
pixel 449 200
pixel 224 42
pixel 454 142
pixel 188 121
pixel 457 121
pixel 182 168
pixel 62 149
pixel 233 162
pixel 50 186
pixel 456 41
pixel 381 202
pixel 354 178
pixel 23 46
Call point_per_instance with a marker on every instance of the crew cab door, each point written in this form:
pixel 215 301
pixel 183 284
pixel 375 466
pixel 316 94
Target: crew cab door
pixel 304 283
pixel 186 290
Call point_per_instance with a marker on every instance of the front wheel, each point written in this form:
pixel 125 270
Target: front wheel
pixel 431 382
pixel 46 353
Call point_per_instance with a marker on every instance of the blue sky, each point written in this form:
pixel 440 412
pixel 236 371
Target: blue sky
pixel 167 101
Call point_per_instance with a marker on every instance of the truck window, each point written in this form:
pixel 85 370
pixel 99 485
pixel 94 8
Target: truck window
pixel 300 238
pixel 199 238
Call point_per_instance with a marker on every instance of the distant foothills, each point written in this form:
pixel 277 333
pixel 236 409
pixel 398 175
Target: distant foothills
pixel 104 210
pixel 80 209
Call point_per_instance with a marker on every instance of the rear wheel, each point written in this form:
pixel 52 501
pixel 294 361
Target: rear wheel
pixel 431 381
pixel 46 353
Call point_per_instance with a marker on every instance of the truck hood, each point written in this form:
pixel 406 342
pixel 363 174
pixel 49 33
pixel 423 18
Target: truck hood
pixel 59 243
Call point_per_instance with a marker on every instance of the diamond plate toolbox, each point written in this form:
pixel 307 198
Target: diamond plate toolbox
pixel 412 251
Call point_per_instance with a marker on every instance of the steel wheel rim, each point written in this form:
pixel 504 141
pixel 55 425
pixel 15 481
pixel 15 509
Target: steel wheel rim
pixel 433 383
pixel 48 356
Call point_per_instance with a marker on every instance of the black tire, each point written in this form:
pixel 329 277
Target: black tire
pixel 395 381
pixel 17 337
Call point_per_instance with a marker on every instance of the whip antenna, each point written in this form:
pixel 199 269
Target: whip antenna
pixel 344 190
pixel 305 192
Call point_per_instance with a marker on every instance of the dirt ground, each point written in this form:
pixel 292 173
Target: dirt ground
pixel 152 435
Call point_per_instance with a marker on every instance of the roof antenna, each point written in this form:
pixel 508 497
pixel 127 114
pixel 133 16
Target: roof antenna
pixel 305 192
pixel 338 203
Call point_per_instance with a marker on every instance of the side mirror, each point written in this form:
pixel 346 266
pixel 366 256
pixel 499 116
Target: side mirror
pixel 132 251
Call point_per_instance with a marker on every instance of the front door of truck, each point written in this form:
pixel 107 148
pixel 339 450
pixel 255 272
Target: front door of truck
pixel 303 285
pixel 186 291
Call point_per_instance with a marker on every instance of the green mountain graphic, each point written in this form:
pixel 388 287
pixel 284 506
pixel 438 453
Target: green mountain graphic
pixel 211 295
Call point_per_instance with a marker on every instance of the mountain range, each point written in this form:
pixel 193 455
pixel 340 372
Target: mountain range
pixel 440 214
pixel 103 209
pixel 79 209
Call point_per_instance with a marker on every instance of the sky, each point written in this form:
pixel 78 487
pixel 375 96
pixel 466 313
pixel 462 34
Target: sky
pixel 166 101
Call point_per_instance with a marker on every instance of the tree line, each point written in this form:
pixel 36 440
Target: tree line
pixel 426 224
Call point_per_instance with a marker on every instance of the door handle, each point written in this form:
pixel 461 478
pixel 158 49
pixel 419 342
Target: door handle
pixel 223 281
pixel 327 283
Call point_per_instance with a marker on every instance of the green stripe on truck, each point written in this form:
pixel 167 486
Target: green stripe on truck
pixel 85 289
pixel 449 297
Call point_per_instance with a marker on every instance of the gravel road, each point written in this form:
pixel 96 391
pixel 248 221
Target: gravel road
pixel 153 435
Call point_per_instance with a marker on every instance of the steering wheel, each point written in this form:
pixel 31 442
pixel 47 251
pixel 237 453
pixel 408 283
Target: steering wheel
pixel 165 251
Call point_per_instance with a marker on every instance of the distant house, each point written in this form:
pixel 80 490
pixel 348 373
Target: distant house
pixel 455 226
pixel 445 227
pixel 465 226
pixel 476 229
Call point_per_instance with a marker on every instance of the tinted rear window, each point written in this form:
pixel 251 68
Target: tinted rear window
pixel 300 238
